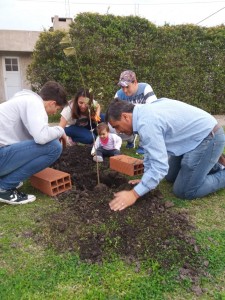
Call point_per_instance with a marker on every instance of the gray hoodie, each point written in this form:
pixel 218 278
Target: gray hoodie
pixel 24 117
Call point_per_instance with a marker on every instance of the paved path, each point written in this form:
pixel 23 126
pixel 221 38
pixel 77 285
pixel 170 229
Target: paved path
pixel 220 119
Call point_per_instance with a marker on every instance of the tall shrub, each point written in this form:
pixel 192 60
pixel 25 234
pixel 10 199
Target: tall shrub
pixel 184 62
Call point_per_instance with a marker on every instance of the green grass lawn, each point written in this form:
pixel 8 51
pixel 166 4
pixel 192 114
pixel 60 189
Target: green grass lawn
pixel 31 271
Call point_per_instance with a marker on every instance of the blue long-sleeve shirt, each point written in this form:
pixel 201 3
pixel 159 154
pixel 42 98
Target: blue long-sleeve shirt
pixel 167 127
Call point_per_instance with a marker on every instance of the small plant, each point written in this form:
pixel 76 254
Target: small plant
pixel 71 51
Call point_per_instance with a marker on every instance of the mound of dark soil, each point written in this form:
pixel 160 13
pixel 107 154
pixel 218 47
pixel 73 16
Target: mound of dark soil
pixel 84 223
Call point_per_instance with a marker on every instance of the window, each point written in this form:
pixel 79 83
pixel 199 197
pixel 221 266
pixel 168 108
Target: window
pixel 11 64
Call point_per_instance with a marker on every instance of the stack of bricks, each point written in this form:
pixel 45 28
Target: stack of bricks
pixel 127 165
pixel 51 182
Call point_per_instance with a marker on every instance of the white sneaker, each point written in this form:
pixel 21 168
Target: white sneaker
pixel 15 197
pixel 98 158
pixel 221 166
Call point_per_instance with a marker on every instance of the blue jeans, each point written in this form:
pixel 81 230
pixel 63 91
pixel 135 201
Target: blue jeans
pixel 82 134
pixel 100 151
pixel 21 160
pixel 192 172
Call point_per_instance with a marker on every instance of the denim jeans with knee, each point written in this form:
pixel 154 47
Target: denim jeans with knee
pixel 192 172
pixel 21 160
pixel 80 134
pixel 83 134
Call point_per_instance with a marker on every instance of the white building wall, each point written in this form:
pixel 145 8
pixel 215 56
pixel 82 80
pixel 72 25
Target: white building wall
pixel 20 44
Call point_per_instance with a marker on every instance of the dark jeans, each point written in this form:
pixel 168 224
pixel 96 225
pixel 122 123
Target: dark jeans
pixel 106 153
pixel 194 174
pixel 83 134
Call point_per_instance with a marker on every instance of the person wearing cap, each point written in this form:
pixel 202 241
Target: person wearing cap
pixel 136 93
pixel 182 143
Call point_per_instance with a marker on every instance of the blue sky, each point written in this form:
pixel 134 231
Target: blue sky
pixel 36 14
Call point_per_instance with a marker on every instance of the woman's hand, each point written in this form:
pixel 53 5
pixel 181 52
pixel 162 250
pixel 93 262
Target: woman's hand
pixel 123 199
pixel 96 118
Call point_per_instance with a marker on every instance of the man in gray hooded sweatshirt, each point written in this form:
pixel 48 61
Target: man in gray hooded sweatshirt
pixel 27 143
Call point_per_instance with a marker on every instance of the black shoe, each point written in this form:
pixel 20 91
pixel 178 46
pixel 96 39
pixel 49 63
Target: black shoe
pixel 15 197
pixel 129 145
pixel 140 150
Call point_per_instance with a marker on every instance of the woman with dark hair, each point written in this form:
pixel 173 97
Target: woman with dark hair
pixel 80 117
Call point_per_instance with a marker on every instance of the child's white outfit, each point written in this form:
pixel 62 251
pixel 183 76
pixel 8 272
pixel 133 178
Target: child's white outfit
pixel 107 147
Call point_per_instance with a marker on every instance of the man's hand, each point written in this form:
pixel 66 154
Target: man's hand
pixel 123 199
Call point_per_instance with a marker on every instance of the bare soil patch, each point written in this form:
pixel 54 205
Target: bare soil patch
pixel 84 224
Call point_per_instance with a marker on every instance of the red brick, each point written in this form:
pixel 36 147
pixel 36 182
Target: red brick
pixel 127 165
pixel 51 181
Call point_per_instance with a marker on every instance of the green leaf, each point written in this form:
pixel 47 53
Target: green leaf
pixel 65 40
pixel 70 51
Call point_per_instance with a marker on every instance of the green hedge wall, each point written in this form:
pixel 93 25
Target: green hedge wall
pixel 184 62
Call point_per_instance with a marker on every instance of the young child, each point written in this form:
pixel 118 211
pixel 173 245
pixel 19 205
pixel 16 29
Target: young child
pixel 107 144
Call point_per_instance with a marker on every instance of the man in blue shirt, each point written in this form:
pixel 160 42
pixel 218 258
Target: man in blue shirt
pixel 136 93
pixel 181 142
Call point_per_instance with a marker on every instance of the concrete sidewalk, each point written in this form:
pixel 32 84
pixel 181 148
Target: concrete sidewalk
pixel 220 119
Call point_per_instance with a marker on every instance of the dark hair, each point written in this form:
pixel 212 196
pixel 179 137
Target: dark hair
pixel 102 126
pixel 116 108
pixel 75 107
pixel 52 90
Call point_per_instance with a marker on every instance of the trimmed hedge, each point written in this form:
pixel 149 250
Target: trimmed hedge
pixel 184 62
